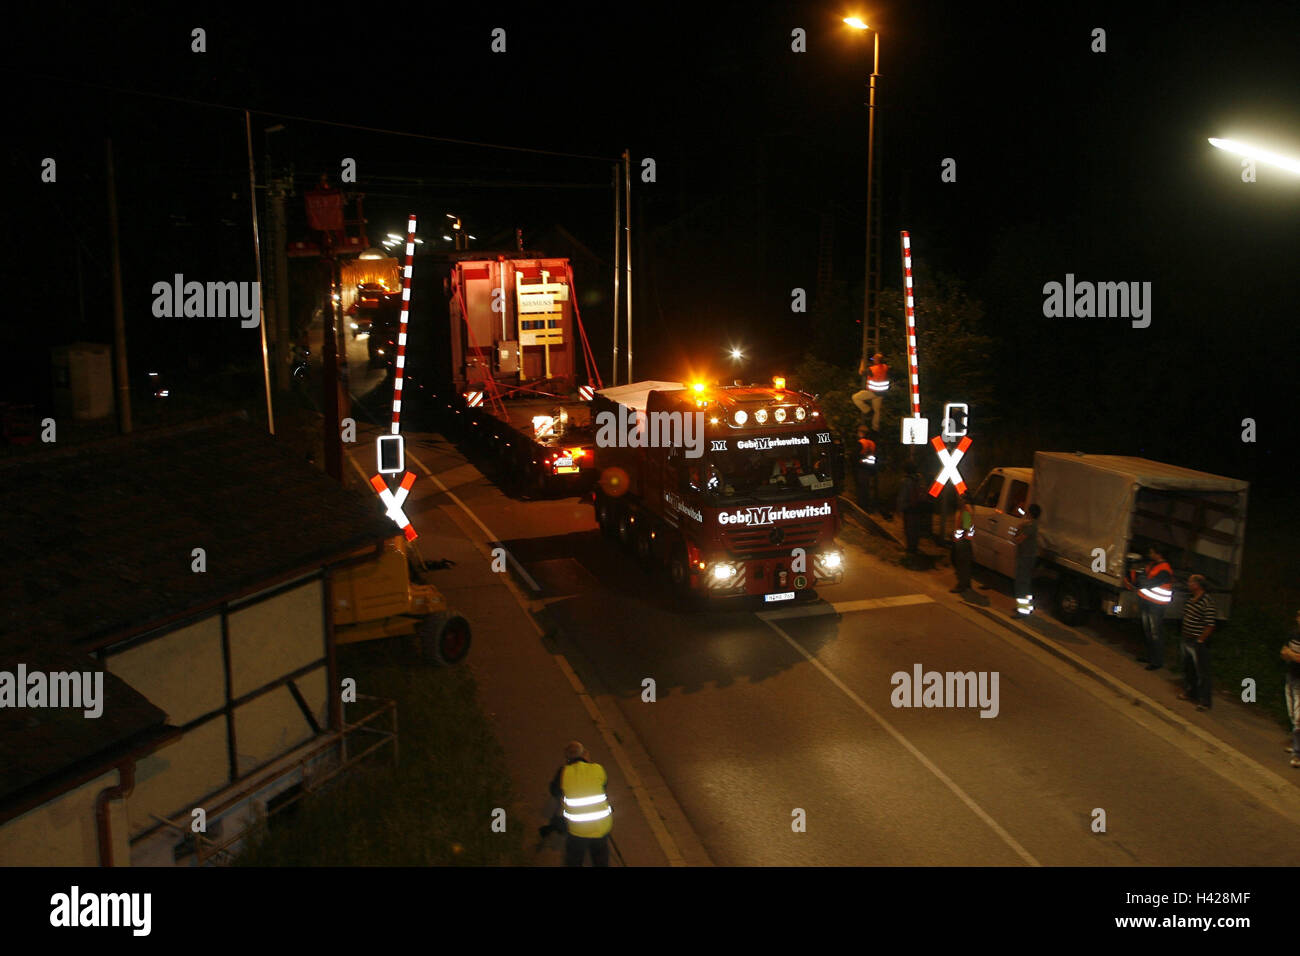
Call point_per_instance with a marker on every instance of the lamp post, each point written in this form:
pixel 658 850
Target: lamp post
pixel 868 347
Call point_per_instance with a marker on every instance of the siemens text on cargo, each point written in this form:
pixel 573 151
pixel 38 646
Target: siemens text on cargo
pixel 651 430
pixel 1098 300
pixel 767 514
pixel 211 300
pixel 74 689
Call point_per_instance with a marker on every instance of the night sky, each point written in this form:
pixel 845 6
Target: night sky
pixel 1068 161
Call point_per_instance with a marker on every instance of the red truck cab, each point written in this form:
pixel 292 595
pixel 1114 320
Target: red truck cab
pixel 731 487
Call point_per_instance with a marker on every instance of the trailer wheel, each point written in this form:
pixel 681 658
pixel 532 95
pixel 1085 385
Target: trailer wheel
pixel 445 642
pixel 1072 604
pixel 679 573
pixel 644 552
pixel 626 529
pixel 605 517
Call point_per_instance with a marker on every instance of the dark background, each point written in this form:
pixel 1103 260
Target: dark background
pixel 1067 161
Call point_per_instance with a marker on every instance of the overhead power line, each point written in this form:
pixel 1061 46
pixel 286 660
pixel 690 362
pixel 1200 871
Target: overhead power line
pixel 320 122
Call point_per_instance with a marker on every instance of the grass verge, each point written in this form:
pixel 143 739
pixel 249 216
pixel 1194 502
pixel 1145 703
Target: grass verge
pixel 434 809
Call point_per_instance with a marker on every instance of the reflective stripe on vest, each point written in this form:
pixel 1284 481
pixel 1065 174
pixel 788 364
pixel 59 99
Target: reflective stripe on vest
pixel 966 530
pixel 586 808
pixel 879 379
pixel 1157 594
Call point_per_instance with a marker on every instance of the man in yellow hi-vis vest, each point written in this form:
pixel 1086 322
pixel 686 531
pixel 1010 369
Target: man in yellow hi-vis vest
pixel 580 787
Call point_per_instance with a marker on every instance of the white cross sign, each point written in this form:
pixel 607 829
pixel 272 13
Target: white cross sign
pixel 949 461
pixel 393 501
pixel 915 430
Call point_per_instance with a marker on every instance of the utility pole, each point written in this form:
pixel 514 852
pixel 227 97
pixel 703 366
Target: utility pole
pixel 617 268
pixel 280 269
pixel 869 330
pixel 257 260
pixel 627 243
pixel 119 319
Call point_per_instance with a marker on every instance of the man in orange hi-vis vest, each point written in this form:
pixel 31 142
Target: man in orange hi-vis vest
pixel 876 380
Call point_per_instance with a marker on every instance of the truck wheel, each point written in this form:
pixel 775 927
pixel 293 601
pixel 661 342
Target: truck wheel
pixel 445 642
pixel 1072 601
pixel 644 551
pixel 626 529
pixel 605 517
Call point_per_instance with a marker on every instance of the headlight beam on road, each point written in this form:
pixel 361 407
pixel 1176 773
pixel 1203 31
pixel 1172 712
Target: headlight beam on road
pixel 1254 152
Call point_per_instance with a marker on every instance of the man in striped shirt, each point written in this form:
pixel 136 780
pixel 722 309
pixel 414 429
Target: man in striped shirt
pixel 1198 624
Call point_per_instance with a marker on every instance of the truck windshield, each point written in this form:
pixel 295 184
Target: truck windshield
pixel 784 472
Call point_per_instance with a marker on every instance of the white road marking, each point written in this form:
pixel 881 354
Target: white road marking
pixel 845 607
pixel 493 539
pixel 926 762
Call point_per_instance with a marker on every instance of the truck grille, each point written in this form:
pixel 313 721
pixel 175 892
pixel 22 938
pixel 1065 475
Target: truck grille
pixel 749 542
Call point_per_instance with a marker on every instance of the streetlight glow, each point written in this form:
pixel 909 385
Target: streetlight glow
pixel 737 354
pixel 856 23
pixel 1253 152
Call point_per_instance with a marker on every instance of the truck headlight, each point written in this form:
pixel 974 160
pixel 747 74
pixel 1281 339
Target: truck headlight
pixel 832 560
pixel 721 572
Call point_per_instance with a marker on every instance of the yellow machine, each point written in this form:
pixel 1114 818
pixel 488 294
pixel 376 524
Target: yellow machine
pixel 378 599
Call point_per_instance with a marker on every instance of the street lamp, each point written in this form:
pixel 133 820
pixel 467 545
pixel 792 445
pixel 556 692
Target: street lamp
pixel 1254 152
pixel 857 24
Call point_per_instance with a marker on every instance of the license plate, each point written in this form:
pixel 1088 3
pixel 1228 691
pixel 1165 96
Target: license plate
pixel 565 466
pixel 782 596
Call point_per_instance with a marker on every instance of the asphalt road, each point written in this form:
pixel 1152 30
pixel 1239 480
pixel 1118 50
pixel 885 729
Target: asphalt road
pixel 763 718
pixel 776 738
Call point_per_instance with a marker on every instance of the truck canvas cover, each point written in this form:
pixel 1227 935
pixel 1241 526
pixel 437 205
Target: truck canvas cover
pixel 1115 502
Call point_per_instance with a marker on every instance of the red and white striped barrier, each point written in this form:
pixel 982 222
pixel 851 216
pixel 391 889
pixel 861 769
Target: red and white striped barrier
pixel 913 375
pixel 473 399
pixel 401 331
pixel 586 392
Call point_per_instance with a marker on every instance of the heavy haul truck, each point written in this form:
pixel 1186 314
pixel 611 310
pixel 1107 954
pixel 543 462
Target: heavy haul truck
pixel 505 331
pixel 731 488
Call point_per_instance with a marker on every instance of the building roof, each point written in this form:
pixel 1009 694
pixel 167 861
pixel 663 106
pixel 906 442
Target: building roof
pixel 98 542
pixel 99 538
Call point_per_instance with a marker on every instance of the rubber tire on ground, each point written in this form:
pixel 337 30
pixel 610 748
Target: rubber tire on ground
pixel 644 549
pixel 1071 601
pixel 607 517
pixel 447 641
pixel 626 530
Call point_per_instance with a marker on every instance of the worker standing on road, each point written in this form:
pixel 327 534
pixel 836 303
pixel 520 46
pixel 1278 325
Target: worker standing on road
pixel 1155 587
pixel 1026 538
pixel 867 472
pixel 914 503
pixel 580 787
pixel 962 532
pixel 876 380
pixel 1291 654
pixel 1198 625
